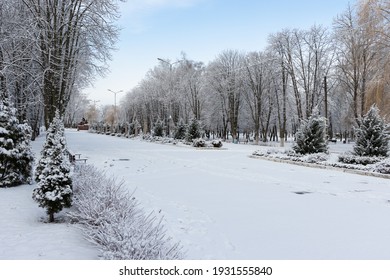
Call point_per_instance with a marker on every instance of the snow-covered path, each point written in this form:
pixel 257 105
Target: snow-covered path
pixel 221 204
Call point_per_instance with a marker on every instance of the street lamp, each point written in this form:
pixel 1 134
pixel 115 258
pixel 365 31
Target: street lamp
pixel 115 92
pixel 169 63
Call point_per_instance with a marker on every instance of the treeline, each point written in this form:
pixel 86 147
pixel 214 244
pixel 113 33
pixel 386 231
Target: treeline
pixel 50 50
pixel 341 71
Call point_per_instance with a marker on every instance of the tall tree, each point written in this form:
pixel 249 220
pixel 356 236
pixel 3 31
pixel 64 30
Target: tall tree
pixel 355 56
pixel 373 17
pixel 190 84
pixel 72 38
pixel 226 81
pixel 281 78
pixel 19 70
pixel 258 76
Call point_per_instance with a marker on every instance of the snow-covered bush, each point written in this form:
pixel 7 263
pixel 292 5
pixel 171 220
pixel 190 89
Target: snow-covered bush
pixel 350 158
pixel 315 158
pixel 199 143
pixel 113 220
pixel 371 139
pixel 383 167
pixel 216 143
pixel 54 185
pixel 292 155
pixel 16 157
pixel 311 136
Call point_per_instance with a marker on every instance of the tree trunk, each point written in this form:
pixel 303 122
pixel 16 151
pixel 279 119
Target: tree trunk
pixel 51 217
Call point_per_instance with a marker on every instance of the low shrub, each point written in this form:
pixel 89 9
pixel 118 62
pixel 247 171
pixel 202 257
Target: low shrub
pixel 355 159
pixel 216 143
pixel 113 220
pixel 383 167
pixel 199 143
pixel 315 158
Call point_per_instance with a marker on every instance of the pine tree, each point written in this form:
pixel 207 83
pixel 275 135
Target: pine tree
pixel 311 136
pixel 54 184
pixel 16 157
pixel 371 139
pixel 193 131
pixel 158 128
pixel 181 129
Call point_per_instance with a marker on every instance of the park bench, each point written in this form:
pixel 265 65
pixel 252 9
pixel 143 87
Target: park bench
pixel 75 157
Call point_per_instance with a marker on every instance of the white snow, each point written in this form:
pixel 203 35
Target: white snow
pixel 220 204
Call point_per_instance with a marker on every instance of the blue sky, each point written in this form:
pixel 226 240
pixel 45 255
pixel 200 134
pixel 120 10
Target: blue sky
pixel 202 29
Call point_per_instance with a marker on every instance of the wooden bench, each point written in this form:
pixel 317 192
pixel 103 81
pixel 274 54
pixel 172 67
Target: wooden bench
pixel 75 157
pixel 84 160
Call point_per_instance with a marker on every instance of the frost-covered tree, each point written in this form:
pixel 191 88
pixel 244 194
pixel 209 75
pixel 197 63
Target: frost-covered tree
pixel 194 130
pixel 73 41
pixel 311 136
pixel 26 157
pixel 54 184
pixel 158 128
pixel 16 158
pixel 181 129
pixel 371 137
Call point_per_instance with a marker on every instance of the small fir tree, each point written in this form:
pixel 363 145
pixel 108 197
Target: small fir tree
pixel 54 184
pixel 311 136
pixel 193 130
pixel 181 129
pixel 371 137
pixel 158 128
pixel 16 157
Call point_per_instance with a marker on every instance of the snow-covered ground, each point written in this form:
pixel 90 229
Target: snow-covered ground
pixel 220 204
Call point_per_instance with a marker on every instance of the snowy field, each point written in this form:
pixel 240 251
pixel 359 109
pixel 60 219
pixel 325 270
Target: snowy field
pixel 220 204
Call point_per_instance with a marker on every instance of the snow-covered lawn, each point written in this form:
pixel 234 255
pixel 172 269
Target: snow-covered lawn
pixel 220 204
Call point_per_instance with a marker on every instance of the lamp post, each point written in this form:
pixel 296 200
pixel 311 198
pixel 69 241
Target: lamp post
pixel 169 63
pixel 115 112
pixel 115 92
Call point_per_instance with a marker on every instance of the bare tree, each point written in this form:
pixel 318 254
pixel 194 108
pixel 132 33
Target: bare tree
pixel 190 85
pixel 19 71
pixel 258 77
pixel 226 80
pixel 355 55
pixel 374 18
pixel 73 37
